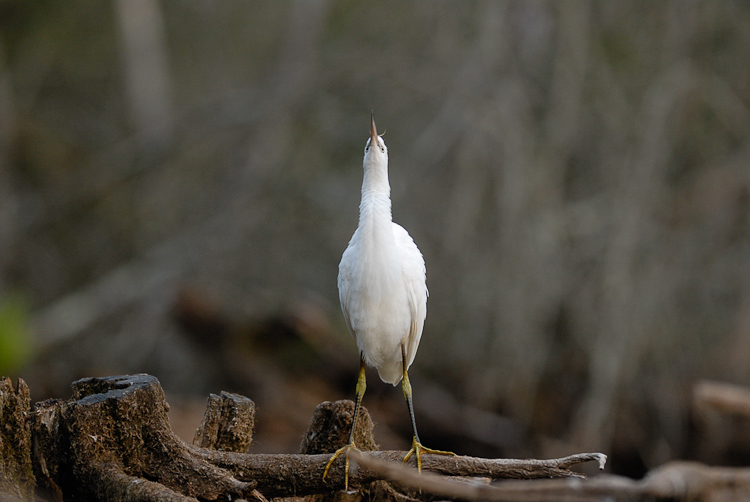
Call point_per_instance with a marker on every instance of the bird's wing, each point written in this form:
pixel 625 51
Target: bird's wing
pixel 344 282
pixel 416 288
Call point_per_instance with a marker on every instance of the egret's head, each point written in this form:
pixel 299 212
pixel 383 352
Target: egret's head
pixel 375 149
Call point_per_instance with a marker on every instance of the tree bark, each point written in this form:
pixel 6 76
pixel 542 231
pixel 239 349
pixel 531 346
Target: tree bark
pixel 112 441
pixel 227 424
pixel 16 476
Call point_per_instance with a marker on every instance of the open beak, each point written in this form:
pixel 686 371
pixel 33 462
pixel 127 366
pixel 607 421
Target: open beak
pixel 373 130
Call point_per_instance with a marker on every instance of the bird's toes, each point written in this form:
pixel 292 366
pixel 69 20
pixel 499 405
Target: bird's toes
pixel 344 450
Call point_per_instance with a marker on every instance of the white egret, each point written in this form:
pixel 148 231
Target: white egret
pixel 383 292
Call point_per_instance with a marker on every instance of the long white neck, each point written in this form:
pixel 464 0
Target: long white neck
pixel 375 207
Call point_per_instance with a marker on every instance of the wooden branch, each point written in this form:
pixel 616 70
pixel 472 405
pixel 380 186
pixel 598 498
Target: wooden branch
pixel 329 431
pixel 114 484
pixel 678 480
pixel 472 490
pixel 272 472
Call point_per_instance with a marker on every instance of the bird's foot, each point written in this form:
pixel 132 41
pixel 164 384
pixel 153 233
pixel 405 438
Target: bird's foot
pixel 417 449
pixel 345 451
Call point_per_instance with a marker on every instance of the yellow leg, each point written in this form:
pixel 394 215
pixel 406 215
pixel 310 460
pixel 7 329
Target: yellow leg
pixel 361 387
pixel 416 446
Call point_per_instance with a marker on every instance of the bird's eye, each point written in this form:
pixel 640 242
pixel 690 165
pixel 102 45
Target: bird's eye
pixel 382 149
pixel 367 148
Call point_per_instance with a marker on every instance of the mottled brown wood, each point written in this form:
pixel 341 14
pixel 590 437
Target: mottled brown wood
pixel 272 472
pixel 112 441
pixel 227 424
pixel 16 476
pixel 330 426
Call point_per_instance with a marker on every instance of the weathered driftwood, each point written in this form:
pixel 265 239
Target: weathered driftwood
pixel 112 440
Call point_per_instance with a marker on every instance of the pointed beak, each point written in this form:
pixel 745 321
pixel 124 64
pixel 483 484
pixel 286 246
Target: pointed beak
pixel 373 130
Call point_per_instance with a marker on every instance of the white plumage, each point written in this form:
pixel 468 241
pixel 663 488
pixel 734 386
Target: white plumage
pixel 381 281
pixel 383 294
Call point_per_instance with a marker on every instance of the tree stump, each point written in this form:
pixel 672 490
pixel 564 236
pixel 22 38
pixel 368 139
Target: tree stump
pixel 16 476
pixel 227 423
pixel 112 441
pixel 330 426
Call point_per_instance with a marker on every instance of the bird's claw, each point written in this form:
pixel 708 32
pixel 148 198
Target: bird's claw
pixel 345 450
pixel 417 449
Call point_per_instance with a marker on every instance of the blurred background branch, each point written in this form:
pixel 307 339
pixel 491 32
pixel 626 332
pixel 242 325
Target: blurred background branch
pixel 146 70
